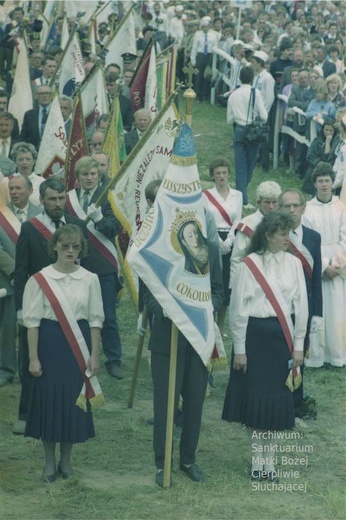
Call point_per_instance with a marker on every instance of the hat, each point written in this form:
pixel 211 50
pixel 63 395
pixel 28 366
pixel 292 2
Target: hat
pixel 128 57
pixel 179 8
pixel 248 47
pixel 261 55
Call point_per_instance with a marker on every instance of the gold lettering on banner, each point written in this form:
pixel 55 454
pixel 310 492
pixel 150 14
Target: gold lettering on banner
pixel 145 228
pixel 182 188
pixel 193 294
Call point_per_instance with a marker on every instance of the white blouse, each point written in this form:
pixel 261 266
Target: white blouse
pixel 233 207
pixel 81 289
pixel 249 300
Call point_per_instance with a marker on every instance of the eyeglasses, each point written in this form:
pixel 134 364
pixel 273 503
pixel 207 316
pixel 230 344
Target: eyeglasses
pixel 44 94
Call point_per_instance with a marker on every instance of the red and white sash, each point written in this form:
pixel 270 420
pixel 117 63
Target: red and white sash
pixel 218 206
pixel 97 239
pixel 244 228
pixel 91 389
pixel 277 301
pixel 303 254
pixel 41 228
pixel 9 223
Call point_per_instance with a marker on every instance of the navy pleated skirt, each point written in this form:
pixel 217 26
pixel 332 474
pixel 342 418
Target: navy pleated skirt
pixel 259 398
pixel 53 415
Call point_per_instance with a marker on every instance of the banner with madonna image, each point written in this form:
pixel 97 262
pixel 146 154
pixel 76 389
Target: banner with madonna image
pixel 170 251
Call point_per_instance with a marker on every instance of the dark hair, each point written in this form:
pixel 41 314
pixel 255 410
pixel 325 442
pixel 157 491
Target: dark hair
pixel 68 230
pixel 219 161
pixel 322 169
pixel 246 75
pixel 151 189
pixel 285 44
pixel 270 224
pixel 7 115
pixel 111 77
pixel 53 184
pixel 328 122
pixel 4 93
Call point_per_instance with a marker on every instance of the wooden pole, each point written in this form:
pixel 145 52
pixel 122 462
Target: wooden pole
pixel 170 407
pixel 137 359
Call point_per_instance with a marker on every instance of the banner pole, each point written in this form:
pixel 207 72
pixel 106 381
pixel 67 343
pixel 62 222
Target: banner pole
pixel 170 407
pixel 137 359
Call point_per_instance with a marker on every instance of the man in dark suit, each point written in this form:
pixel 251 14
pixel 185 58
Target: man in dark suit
pixel 6 140
pixel 102 253
pixel 298 60
pixel 125 104
pixel 305 243
pixel 4 99
pixel 7 43
pixel 191 378
pixel 11 217
pixel 300 97
pixel 327 66
pixel 142 119
pixel 34 121
pixel 32 256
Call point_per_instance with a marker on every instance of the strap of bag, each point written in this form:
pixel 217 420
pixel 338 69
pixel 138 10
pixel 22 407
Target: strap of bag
pixel 251 106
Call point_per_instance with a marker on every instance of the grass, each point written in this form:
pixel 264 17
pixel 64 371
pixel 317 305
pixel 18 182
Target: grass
pixel 115 471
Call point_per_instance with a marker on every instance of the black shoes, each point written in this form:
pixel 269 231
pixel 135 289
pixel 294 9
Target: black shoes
pixel 48 479
pixel 194 472
pixel 65 474
pixel 159 478
pixel 115 370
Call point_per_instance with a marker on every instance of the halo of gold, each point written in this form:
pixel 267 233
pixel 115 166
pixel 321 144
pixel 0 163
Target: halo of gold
pixel 181 218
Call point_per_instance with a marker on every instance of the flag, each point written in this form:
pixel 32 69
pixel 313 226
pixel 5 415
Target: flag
pixel 77 145
pixel 114 144
pixel 51 37
pixel 94 99
pixel 64 34
pixel 52 153
pixel 137 87
pixel 71 68
pixel 170 251
pixel 161 76
pixel 151 84
pixel 124 40
pixel 21 95
pixel 148 161
pixel 171 71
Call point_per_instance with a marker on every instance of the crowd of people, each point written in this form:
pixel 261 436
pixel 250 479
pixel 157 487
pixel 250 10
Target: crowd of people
pixel 280 269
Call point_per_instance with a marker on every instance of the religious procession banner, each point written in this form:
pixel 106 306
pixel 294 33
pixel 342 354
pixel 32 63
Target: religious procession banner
pixel 94 99
pixel 71 68
pixel 77 144
pixel 170 251
pixel 52 152
pixel 21 95
pixel 124 40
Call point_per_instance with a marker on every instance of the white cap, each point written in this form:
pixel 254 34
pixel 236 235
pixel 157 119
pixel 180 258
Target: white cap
pixel 261 55
pixel 179 8
pixel 205 21
pixel 237 42
pixel 248 47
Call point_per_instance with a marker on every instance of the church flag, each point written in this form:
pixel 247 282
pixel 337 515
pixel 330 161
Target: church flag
pixel 94 99
pixel 71 68
pixel 151 85
pixel 170 251
pixel 77 144
pixel 124 40
pixel 21 95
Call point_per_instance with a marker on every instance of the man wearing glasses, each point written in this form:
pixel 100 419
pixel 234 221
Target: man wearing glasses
pixel 35 120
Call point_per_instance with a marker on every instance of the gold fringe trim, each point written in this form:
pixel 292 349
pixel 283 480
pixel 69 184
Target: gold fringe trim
pixel 289 381
pixel 219 363
pixel 97 401
pixel 183 161
pixel 81 402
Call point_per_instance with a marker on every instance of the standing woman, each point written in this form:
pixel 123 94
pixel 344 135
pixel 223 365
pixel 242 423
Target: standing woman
pixel 225 204
pixel 268 315
pixel 63 312
pixel 239 113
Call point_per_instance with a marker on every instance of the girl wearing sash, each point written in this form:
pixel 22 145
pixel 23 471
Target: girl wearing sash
pixel 268 318
pixel 225 204
pixel 62 309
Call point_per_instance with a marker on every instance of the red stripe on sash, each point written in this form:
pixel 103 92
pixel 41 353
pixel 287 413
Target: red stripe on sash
pixel 272 299
pixel 41 228
pixel 302 258
pixel 243 228
pixel 67 330
pixel 7 227
pixel 219 207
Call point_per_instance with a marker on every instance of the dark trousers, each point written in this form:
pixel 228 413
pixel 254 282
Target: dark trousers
pixel 111 342
pixel 191 383
pixel 202 85
pixel 24 374
pixel 245 156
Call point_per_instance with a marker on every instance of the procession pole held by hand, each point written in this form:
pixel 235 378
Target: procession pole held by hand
pixel 170 407
pixel 138 359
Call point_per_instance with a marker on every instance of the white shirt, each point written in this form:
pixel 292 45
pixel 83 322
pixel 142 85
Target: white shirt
pixel 238 103
pixel 297 234
pixel 199 42
pixel 249 300
pixel 176 30
pixel 233 207
pixel 81 289
pixel 265 83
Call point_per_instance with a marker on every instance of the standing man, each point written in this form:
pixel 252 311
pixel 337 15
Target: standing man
pixel 142 119
pixel 11 217
pixel 32 256
pixel 103 159
pixel 267 195
pixel 102 260
pixel 305 244
pixel 201 57
pixel 35 120
pixel 4 99
pixel 66 107
pixel 6 128
pixel 48 67
pixel 160 22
